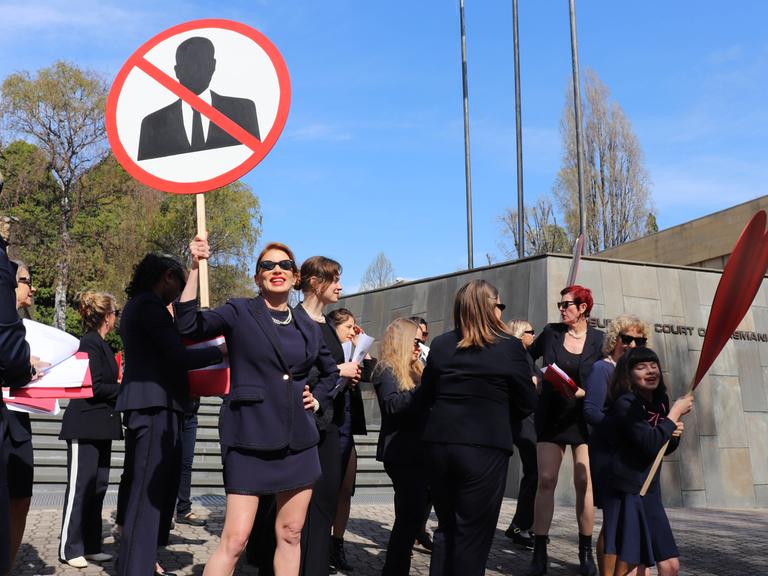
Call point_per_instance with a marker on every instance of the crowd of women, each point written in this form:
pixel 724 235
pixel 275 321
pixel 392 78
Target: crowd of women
pixel 449 421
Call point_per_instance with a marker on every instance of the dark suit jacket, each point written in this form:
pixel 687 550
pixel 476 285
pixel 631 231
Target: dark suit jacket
pixel 476 393
pixel 15 369
pixel 264 409
pixel 402 422
pixel 635 441
pixel 95 418
pixel 156 360
pixel 163 134
pixel 552 338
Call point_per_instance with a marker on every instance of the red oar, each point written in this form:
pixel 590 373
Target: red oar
pixel 741 279
pixel 578 249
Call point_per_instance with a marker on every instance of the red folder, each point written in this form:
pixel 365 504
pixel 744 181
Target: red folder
pixel 560 381
pixel 47 404
pixel 84 391
pixel 211 380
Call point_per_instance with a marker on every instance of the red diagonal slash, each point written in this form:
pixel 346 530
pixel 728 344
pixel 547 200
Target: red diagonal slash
pixel 222 121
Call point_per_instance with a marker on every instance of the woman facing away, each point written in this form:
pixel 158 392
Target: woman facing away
pixel 267 429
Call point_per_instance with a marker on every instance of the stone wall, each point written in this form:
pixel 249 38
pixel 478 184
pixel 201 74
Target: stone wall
pixel 723 458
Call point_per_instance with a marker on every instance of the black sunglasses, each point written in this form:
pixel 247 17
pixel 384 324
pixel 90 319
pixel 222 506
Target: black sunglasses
pixel 564 304
pixel 626 339
pixel 116 311
pixel 501 307
pixel 25 280
pixel 531 332
pixel 284 265
pixel 417 342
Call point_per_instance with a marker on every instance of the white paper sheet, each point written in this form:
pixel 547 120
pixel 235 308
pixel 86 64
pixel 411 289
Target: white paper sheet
pixel 68 374
pixel 347 347
pixel 364 343
pixel 48 343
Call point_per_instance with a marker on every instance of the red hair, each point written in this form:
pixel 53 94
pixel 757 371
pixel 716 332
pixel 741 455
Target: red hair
pixel 581 295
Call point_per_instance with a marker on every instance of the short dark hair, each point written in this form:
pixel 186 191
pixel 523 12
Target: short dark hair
pixel 419 320
pixel 148 272
pixel 621 382
pixel 581 295
pixel 339 316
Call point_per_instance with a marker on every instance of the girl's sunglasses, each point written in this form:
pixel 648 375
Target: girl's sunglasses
pixel 286 265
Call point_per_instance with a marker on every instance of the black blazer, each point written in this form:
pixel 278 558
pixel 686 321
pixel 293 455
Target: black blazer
pixel 156 360
pixel 552 338
pixel 634 441
pixel 475 394
pixel 402 422
pixel 163 134
pixel 95 418
pixel 15 369
pixel 264 409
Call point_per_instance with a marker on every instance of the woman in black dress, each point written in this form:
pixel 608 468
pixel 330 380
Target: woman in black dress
pixel 638 423
pixel 574 346
pixel 266 426
pixel 396 379
pixel 89 426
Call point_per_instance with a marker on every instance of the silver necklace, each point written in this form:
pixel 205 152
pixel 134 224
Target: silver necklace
pixel 579 337
pixel 283 322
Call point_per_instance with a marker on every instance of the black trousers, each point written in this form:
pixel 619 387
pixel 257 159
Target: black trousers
pixel 87 483
pixel 154 437
pixel 316 534
pixel 411 499
pixel 5 506
pixel 524 435
pixel 467 486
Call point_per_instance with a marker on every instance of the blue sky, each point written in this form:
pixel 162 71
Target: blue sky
pixel 371 158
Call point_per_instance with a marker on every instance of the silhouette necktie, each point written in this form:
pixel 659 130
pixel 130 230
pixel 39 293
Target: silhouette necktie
pixel 198 142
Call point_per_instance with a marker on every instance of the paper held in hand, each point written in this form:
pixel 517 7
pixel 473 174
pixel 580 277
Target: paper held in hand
pixel 560 381
pixel 48 343
pixel 364 344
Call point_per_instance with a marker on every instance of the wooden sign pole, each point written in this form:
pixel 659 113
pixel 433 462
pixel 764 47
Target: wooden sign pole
pixel 204 300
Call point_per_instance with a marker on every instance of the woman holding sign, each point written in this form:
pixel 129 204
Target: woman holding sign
pixel 574 346
pixel 267 430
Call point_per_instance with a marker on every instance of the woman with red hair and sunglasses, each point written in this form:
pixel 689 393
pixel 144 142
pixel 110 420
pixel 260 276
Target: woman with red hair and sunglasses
pixel 266 425
pixel 574 346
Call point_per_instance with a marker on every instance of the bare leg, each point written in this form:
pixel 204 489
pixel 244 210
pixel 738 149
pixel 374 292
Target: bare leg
pixel 668 567
pixel 585 509
pixel 291 512
pixel 345 496
pixel 238 521
pixel 623 569
pixel 550 456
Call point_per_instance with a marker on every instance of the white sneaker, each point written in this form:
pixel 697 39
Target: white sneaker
pixel 78 562
pixel 100 557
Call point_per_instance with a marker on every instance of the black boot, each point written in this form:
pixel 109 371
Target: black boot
pixel 540 560
pixel 586 561
pixel 338 559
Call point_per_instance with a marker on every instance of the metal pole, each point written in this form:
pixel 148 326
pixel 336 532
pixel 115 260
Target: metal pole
pixel 519 135
pixel 467 170
pixel 577 109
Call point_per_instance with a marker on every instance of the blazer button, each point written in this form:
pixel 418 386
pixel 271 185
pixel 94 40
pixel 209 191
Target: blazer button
pixel 286 377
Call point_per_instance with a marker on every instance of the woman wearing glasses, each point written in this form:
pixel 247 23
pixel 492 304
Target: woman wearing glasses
pixel 574 346
pixel 477 381
pixel 89 426
pixel 266 426
pixel 624 333
pixel 396 380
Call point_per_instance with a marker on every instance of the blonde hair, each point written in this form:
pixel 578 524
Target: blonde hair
pixel 94 307
pixel 397 353
pixel 518 327
pixel 474 315
pixel 620 325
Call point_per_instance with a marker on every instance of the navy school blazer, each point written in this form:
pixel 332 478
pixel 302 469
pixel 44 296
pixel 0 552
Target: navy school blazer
pixel 156 360
pixel 95 418
pixel 264 409
pixel 402 422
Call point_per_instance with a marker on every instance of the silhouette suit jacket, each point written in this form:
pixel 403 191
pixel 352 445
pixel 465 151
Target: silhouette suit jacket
pixel 15 369
pixel 163 134
pixel 475 394
pixel 264 409
pixel 402 423
pixel 95 418
pixel 552 338
pixel 156 360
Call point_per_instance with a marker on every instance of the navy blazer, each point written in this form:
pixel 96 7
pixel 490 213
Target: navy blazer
pixel 264 409
pixel 95 418
pixel 15 369
pixel 635 441
pixel 156 360
pixel 402 422
pixel 475 394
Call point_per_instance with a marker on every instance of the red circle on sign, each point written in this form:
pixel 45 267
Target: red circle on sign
pixel 145 177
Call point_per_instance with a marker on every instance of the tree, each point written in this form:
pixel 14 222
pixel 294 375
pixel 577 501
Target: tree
pixel 379 273
pixel 542 232
pixel 61 109
pixel 617 204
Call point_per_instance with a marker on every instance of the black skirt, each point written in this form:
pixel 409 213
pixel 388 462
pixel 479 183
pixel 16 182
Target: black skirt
pixel 259 472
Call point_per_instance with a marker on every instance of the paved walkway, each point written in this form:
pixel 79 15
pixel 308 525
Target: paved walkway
pixel 711 542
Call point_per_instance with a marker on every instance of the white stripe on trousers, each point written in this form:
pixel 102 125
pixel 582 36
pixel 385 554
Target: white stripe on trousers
pixel 70 497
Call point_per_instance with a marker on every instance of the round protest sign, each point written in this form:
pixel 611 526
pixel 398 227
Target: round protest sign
pixel 198 106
